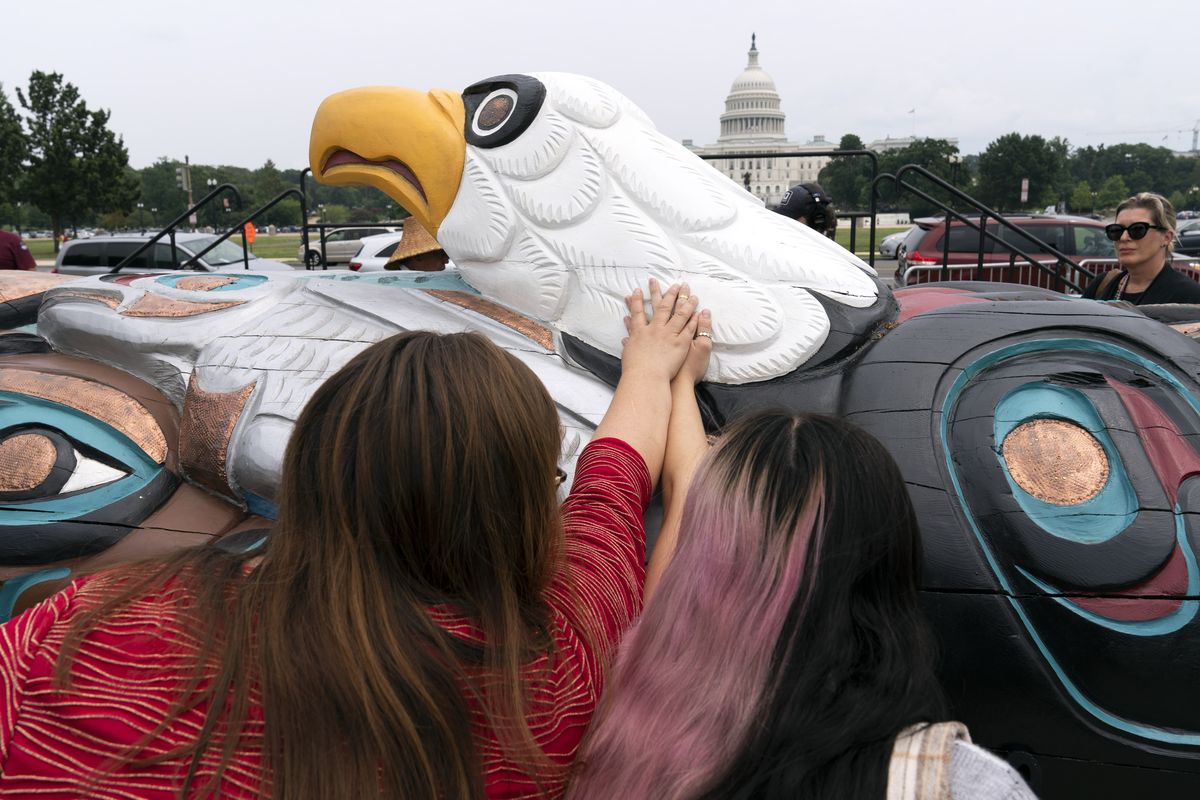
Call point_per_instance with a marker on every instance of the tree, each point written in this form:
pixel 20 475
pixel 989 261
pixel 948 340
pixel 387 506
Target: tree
pixel 1112 192
pixel 336 214
pixel 937 156
pixel 1082 197
pixel 267 183
pixel 159 190
pixel 76 164
pixel 847 179
pixel 1009 160
pixel 13 149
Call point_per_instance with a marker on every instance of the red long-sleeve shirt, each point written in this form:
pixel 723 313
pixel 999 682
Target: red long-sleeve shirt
pixel 129 669
pixel 13 252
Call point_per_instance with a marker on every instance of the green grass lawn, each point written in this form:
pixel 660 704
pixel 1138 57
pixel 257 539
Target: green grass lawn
pixel 863 235
pixel 41 248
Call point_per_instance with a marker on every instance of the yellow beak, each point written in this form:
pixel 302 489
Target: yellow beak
pixel 407 144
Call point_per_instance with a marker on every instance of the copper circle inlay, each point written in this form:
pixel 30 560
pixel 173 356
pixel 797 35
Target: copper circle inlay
pixel 26 460
pixel 1056 461
pixel 495 111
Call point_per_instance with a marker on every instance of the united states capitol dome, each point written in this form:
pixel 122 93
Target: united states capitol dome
pixel 752 109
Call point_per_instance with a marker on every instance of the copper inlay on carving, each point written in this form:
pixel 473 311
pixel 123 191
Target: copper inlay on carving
pixel 1056 461
pixel 204 432
pixel 25 461
pixel 506 317
pixel 17 284
pixel 104 403
pixel 109 299
pixel 1189 329
pixel 495 112
pixel 155 305
pixel 204 283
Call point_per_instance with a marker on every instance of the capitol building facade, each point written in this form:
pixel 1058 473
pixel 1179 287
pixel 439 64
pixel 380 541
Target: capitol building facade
pixel 753 126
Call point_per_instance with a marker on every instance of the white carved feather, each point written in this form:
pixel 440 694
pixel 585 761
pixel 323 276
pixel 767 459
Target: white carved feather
pixel 597 201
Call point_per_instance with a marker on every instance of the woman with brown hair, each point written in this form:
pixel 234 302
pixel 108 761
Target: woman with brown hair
pixel 423 621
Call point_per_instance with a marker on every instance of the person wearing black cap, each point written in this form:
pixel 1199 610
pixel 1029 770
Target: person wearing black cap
pixel 810 205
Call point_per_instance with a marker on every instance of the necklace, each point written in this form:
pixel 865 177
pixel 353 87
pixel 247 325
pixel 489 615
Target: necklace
pixel 1121 286
pixel 1125 280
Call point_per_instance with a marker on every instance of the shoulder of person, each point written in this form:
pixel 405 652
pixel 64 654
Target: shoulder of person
pixel 976 774
pixel 1102 284
pixel 1188 284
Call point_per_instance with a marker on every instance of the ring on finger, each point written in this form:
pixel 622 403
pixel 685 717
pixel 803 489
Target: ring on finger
pixel 705 334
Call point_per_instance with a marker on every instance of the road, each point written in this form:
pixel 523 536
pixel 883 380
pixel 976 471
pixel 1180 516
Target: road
pixel 886 269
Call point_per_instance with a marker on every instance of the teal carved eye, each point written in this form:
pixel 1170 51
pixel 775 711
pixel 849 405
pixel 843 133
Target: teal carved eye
pixel 62 464
pixel 1062 467
pixel 41 462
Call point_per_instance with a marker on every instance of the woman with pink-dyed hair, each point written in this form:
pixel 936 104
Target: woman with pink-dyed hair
pixel 783 654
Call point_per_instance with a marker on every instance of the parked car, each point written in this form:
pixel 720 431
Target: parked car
pixel 1187 238
pixel 890 244
pixel 375 251
pixel 341 245
pixel 100 254
pixel 1080 238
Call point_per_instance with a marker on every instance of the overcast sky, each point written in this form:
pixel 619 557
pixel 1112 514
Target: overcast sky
pixel 238 82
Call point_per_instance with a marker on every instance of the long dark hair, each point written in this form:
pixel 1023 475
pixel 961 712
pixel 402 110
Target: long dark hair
pixel 784 649
pixel 419 481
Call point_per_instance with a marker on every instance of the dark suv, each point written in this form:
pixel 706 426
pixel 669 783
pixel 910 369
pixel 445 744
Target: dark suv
pixel 1188 237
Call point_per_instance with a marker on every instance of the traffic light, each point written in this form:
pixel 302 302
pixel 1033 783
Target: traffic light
pixel 180 179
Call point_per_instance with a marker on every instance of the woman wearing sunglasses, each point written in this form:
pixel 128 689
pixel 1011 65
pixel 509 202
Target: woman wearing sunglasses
pixel 1143 235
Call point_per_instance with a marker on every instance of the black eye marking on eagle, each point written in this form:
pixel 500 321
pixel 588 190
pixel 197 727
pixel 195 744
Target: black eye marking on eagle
pixel 499 109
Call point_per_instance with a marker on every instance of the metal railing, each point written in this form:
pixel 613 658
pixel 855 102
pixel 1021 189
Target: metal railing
pixel 1065 272
pixel 169 230
pixel 854 216
pixel 240 227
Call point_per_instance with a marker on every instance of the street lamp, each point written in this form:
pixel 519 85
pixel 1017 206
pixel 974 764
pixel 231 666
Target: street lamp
pixel 154 216
pixel 141 216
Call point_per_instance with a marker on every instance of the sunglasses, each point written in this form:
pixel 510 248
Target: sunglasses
pixel 1137 230
pixel 560 476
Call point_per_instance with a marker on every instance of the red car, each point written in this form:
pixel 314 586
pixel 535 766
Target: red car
pixel 1081 239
